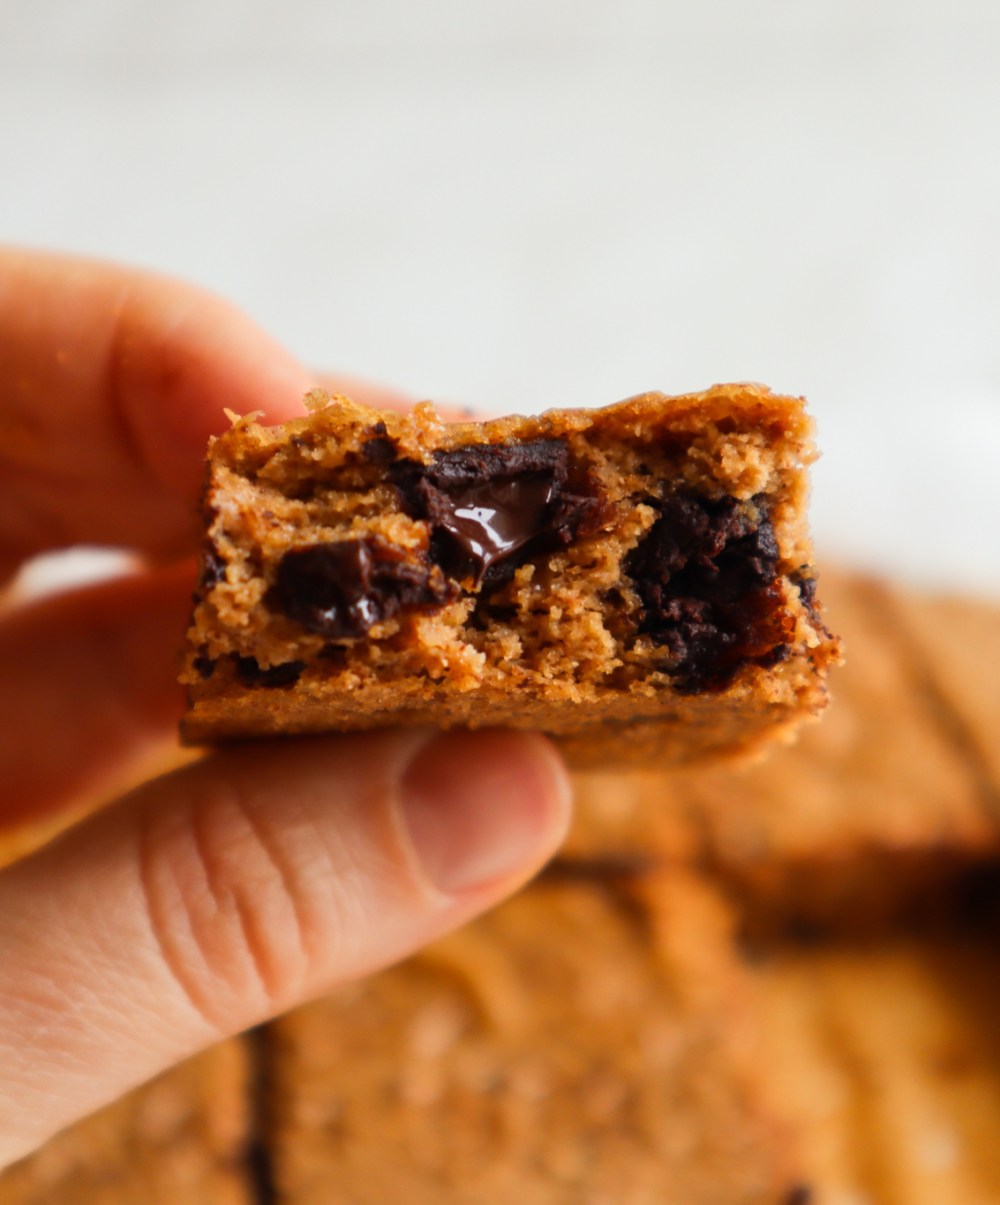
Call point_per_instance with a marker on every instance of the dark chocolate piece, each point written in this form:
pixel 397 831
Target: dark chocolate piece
pixel 494 506
pixel 342 589
pixel 706 572
pixel 380 448
pixel 251 673
pixel 490 522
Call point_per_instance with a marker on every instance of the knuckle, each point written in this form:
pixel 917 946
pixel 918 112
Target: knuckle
pixel 229 903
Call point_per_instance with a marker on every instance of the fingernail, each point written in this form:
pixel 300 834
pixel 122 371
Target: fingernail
pixel 481 807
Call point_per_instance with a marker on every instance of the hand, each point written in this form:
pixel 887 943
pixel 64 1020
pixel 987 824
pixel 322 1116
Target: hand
pixel 221 894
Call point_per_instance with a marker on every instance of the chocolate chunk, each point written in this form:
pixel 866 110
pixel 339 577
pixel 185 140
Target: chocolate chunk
pixel 380 448
pixel 251 673
pixel 475 463
pixel 488 523
pixel 342 589
pixel 707 575
pixel 494 506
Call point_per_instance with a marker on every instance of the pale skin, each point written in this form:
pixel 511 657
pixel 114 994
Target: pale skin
pixel 216 896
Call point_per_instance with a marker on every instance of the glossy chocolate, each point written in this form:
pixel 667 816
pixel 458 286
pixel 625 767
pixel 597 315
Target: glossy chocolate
pixel 492 521
pixel 494 506
pixel 342 589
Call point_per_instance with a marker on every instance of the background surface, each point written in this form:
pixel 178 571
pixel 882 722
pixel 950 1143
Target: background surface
pixel 522 203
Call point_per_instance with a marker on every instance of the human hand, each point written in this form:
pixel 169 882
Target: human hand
pixel 216 896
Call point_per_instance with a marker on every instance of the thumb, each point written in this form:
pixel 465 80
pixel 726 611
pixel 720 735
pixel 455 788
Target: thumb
pixel 215 897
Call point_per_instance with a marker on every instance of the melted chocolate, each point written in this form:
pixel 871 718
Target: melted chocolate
pixel 494 506
pixel 342 589
pixel 491 522
pixel 707 575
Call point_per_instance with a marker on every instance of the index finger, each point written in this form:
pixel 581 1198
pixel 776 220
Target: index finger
pixel 111 382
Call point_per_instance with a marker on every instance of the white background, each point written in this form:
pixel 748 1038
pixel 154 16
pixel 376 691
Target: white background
pixel 521 203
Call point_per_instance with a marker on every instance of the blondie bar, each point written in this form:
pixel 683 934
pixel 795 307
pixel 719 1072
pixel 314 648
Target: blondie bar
pixel 635 581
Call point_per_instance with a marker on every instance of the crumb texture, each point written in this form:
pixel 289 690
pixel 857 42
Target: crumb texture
pixel 635 581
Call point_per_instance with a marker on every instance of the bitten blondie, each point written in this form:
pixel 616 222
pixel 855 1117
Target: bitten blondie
pixel 635 581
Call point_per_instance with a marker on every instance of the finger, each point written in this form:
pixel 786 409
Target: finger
pixel 89 689
pixel 220 895
pixel 113 380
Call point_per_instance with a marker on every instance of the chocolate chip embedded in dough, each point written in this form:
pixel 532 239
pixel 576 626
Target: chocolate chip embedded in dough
pixel 706 572
pixel 342 589
pixel 494 506
pixel 488 523
pixel 379 448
